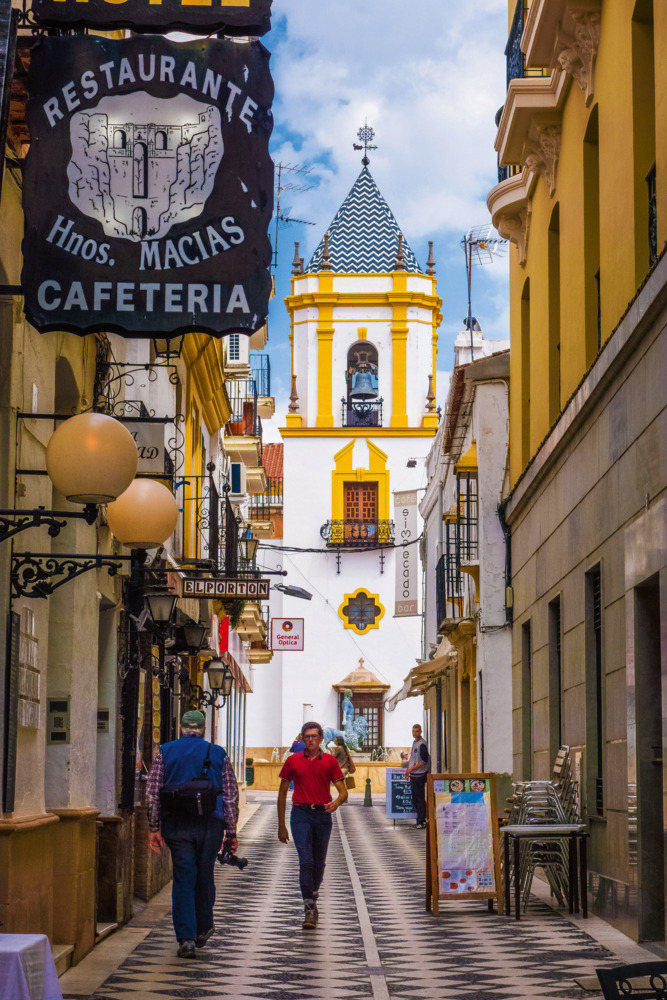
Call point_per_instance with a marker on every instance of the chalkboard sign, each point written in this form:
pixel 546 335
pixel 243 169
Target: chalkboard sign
pixel 399 796
pixel 463 849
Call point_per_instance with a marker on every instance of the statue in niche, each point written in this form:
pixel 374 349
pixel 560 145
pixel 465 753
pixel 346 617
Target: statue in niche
pixel 353 731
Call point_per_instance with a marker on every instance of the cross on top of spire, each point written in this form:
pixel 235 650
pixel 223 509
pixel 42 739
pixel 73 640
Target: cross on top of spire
pixel 365 136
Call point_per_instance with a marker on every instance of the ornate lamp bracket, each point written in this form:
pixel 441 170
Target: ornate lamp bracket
pixel 14 521
pixel 38 574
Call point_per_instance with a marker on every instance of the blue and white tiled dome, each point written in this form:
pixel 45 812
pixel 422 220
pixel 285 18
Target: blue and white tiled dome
pixel 363 237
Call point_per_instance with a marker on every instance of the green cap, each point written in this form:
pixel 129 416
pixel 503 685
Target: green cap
pixel 193 720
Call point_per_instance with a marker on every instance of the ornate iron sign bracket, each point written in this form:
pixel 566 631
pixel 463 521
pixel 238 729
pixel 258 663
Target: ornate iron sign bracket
pixel 14 521
pixel 38 574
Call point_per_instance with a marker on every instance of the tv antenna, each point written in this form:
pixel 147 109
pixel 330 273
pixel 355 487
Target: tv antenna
pixel 481 245
pixel 284 218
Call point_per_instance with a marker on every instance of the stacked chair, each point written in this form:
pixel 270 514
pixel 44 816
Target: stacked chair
pixel 542 802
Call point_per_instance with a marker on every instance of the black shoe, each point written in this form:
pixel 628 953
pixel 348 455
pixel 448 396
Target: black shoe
pixel 186 949
pixel 420 826
pixel 201 939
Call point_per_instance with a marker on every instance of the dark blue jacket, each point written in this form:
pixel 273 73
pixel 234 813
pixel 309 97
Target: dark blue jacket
pixel 184 758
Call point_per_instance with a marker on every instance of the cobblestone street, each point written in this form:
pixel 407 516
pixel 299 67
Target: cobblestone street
pixel 374 938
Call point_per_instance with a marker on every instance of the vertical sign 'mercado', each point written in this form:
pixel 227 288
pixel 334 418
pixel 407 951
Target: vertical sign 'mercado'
pixel 148 187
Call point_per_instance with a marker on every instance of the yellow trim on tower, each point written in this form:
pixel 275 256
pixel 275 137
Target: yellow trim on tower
pixel 356 432
pixel 363 333
pixel 377 472
pixel 468 462
pixel 373 597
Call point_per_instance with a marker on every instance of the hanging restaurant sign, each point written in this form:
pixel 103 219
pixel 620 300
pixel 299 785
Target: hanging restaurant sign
pixel 148 187
pixel 235 17
pixel 215 587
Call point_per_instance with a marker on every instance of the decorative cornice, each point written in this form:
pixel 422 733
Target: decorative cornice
pixel 576 52
pixel 510 205
pixel 541 152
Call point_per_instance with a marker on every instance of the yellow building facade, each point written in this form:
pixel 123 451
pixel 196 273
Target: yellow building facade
pixel 582 146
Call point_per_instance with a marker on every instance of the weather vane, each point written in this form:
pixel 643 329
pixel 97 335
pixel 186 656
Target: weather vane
pixel 366 136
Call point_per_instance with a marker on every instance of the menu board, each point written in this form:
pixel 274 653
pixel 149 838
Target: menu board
pixel 399 795
pixel 463 837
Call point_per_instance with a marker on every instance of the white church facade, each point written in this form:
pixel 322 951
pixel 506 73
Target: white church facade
pixel 364 333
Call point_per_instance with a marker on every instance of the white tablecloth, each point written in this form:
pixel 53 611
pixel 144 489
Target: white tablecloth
pixel 27 969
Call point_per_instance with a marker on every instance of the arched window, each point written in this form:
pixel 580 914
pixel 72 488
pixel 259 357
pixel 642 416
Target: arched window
pixel 139 222
pixel 140 170
pixel 119 139
pixel 160 140
pixel 361 406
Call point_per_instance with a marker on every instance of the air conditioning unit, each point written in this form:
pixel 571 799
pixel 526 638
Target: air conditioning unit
pixel 238 478
pixel 238 352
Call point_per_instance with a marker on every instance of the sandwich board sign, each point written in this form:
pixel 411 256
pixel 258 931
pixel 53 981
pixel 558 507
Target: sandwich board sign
pixel 148 187
pixel 399 795
pixel 463 847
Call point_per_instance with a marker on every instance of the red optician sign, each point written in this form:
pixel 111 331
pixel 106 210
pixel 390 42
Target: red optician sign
pixel 287 634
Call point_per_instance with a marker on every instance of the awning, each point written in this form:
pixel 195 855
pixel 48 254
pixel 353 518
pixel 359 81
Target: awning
pixel 418 678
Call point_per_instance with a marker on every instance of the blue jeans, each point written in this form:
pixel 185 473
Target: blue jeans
pixel 194 846
pixel 311 830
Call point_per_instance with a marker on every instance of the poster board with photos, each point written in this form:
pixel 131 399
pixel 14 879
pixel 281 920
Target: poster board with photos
pixel 463 845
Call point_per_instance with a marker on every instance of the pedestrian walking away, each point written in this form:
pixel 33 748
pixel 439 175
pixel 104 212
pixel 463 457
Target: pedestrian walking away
pixel 417 770
pixel 192 801
pixel 313 772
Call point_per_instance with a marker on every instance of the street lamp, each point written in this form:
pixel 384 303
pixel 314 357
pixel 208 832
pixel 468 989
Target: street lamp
pixel 220 678
pixel 161 606
pixel 144 516
pixel 194 635
pixel 168 348
pixel 91 458
pixel 249 545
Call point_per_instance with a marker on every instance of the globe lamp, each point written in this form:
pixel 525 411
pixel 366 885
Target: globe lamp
pixel 144 516
pixel 91 458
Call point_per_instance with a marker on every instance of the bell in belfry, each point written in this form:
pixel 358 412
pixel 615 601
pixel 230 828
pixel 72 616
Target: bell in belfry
pixel 362 386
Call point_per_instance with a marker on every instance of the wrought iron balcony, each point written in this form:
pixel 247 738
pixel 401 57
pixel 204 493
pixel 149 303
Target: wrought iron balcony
pixel 358 534
pixel 262 505
pixel 362 413
pixel 260 369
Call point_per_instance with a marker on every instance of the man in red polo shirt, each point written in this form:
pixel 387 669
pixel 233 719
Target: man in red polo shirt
pixel 313 772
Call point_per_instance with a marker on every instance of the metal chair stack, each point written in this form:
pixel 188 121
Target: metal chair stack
pixel 546 802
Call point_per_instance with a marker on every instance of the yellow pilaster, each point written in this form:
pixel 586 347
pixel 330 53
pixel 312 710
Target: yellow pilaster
pixel 325 333
pixel 399 343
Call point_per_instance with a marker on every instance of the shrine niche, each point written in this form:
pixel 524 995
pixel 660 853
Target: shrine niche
pixel 367 695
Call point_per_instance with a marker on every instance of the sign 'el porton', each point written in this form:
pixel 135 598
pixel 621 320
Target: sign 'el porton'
pixel 233 17
pixel 148 187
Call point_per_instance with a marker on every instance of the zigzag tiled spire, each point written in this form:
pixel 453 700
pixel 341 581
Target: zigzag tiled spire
pixel 363 237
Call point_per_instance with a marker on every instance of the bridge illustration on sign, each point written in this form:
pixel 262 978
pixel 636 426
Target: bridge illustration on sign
pixel 138 177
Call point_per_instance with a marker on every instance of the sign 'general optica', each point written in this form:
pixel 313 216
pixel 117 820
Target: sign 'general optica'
pixel 235 17
pixel 287 634
pixel 148 188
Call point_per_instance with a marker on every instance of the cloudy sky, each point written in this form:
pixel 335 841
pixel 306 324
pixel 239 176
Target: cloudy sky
pixel 428 76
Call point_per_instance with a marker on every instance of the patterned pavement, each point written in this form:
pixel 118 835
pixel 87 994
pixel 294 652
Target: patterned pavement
pixel 374 938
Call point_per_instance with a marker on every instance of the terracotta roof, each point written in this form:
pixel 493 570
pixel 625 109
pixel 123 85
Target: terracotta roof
pixel 362 678
pixel 272 460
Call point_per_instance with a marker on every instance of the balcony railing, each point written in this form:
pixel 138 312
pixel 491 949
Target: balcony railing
pixel 262 505
pixel 358 534
pixel 260 369
pixel 367 413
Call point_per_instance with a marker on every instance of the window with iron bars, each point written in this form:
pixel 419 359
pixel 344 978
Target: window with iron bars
pixel 466 517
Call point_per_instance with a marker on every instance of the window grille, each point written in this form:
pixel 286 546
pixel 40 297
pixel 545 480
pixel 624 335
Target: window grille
pixel 234 347
pixel 466 517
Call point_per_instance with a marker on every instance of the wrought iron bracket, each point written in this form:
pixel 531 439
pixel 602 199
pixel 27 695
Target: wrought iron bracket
pixel 14 521
pixel 199 698
pixel 38 574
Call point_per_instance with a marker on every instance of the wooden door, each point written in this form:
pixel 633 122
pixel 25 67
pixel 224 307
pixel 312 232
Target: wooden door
pixel 361 511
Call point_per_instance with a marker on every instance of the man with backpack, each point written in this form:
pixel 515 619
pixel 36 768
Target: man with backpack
pixel 417 771
pixel 192 802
